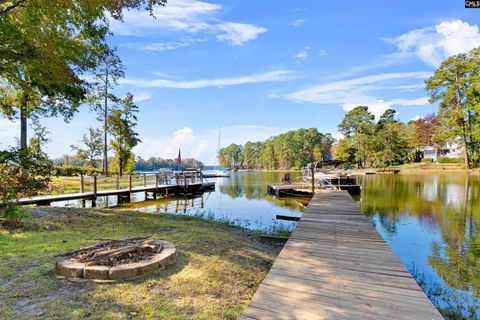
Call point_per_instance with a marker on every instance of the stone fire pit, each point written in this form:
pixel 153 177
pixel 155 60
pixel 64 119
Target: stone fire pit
pixel 113 260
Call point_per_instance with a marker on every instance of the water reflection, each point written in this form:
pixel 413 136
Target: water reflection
pixel 241 200
pixel 430 222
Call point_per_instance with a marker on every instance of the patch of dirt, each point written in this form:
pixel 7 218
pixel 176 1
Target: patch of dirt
pixel 72 212
pixel 33 307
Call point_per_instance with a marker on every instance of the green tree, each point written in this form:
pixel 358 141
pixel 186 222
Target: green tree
pixel 358 126
pixel 450 85
pixel 345 151
pixel 231 156
pixel 251 154
pixel 268 156
pixel 391 140
pixel 122 122
pixel 311 139
pixel 92 149
pixel 45 48
pixel 107 74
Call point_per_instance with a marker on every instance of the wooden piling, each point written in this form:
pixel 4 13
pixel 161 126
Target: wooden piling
pixel 82 184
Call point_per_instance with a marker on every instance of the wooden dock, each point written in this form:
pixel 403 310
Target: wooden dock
pixel 123 194
pixel 337 266
pixel 303 189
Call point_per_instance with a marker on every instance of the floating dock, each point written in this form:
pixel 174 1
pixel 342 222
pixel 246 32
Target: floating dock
pixel 304 189
pixel 337 266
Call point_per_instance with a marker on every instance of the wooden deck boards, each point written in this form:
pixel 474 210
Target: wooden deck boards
pixel 337 266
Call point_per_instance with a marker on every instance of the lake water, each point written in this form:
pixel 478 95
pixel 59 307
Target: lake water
pixel 430 221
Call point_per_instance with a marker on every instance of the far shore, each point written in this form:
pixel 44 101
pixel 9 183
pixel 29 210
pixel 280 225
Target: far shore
pixel 412 168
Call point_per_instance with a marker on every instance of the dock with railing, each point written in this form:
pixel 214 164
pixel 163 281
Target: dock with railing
pixel 335 265
pixel 303 185
pixel 152 185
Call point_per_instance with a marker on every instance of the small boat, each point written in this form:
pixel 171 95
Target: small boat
pixel 222 172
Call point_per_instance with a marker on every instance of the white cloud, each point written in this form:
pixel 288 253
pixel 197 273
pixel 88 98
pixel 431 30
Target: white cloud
pixel 238 33
pixel 8 133
pixel 277 75
pixel 190 16
pixel 434 44
pixel 337 136
pixel 322 53
pixel 417 117
pixel 367 90
pixel 202 145
pixel 302 54
pixel 143 96
pixel 297 22
pixel 161 46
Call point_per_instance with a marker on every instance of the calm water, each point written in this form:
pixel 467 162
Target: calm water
pixel 430 221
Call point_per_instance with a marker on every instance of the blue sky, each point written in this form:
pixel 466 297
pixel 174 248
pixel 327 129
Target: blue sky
pixel 260 68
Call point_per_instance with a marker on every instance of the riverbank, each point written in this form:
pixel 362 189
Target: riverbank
pixel 425 168
pixel 215 273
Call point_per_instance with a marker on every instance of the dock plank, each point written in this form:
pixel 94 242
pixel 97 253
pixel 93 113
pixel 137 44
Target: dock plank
pixel 337 266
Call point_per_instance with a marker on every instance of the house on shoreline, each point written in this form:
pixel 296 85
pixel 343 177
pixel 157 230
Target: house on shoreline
pixel 451 149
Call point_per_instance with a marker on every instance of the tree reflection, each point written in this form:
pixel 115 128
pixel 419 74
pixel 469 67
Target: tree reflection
pixel 449 203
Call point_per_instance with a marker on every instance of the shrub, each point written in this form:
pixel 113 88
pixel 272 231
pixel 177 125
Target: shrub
pixel 450 160
pixel 74 171
pixel 22 174
pixel 427 160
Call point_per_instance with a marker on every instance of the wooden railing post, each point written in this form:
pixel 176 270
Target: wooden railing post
pixel 144 179
pixel 156 180
pixel 82 184
pixel 130 182
pixel 117 181
pixel 94 197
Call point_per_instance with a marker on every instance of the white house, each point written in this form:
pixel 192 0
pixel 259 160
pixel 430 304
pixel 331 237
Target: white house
pixel 451 149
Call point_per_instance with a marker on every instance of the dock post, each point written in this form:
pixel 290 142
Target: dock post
pixel 130 182
pixel 82 184
pixel 94 199
pixel 145 185
pixel 117 182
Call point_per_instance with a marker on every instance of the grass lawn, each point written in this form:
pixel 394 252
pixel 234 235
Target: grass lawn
pixel 215 273
pixel 63 184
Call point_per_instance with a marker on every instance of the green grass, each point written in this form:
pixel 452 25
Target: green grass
pixel 215 273
pixel 64 185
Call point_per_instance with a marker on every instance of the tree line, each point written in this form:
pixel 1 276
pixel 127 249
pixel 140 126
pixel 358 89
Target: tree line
pixel 455 85
pixel 370 143
pixel 293 149
pixel 153 164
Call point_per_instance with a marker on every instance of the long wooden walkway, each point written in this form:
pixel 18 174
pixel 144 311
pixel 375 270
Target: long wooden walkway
pixel 168 188
pixel 337 266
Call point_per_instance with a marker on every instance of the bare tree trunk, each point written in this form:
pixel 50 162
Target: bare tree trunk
pixel 105 128
pixel 23 129
pixel 465 148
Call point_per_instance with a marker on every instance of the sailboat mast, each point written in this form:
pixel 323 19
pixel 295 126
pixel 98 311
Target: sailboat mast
pixel 217 160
